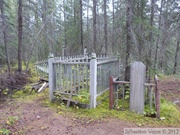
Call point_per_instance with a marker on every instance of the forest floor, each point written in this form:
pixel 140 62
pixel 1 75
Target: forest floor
pixel 32 116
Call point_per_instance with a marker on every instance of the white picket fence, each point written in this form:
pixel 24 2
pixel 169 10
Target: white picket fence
pixel 79 73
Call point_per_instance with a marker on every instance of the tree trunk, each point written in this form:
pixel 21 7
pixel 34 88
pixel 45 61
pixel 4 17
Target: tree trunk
pixel 164 35
pixel 94 26
pixel 157 42
pixel 4 29
pixel 20 28
pixel 140 28
pixel 176 58
pixel 81 26
pixel 151 41
pixel 105 28
pixel 128 39
pixel 45 33
pixel 113 47
pixel 37 26
pixel 87 43
pixel 65 36
pixel 140 11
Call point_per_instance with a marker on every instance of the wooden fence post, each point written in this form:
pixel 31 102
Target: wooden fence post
pixel 157 97
pixel 111 92
pixel 51 78
pixel 93 81
pixel 137 80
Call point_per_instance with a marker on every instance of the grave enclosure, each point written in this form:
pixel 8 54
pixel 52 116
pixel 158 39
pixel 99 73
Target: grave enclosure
pixel 79 73
pixel 90 74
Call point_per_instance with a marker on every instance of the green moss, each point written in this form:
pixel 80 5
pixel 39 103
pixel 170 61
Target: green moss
pixel 168 110
pixel 82 97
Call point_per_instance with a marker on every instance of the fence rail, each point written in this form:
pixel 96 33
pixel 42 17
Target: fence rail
pixel 42 68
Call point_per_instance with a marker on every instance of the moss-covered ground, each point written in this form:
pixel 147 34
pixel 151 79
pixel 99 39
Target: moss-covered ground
pixel 170 113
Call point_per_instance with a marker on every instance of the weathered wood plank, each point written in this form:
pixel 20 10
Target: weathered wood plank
pixel 51 79
pixel 43 87
pixel 121 82
pixel 111 97
pixel 157 97
pixel 149 84
pixel 93 82
pixel 70 99
pixel 137 80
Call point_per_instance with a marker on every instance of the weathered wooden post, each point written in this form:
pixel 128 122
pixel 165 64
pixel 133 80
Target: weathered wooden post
pixel 51 77
pixel 157 97
pixel 137 80
pixel 111 92
pixel 93 80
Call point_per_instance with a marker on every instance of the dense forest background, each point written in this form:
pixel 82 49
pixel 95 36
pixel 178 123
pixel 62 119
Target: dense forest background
pixel 143 30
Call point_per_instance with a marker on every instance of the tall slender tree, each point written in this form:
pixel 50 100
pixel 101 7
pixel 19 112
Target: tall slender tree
pixel 105 28
pixel 87 23
pixel 176 58
pixel 94 26
pixel 81 25
pixel 140 31
pixel 65 29
pixel 4 29
pixel 158 37
pixel 128 38
pixel 151 40
pixel 20 29
pixel 113 27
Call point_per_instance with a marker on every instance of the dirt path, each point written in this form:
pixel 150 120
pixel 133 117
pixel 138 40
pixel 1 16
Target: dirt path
pixel 36 119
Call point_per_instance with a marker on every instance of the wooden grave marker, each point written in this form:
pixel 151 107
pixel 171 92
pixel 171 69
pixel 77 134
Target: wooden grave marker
pixel 137 80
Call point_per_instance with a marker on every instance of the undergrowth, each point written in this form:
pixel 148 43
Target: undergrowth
pixel 15 82
pixel 170 115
